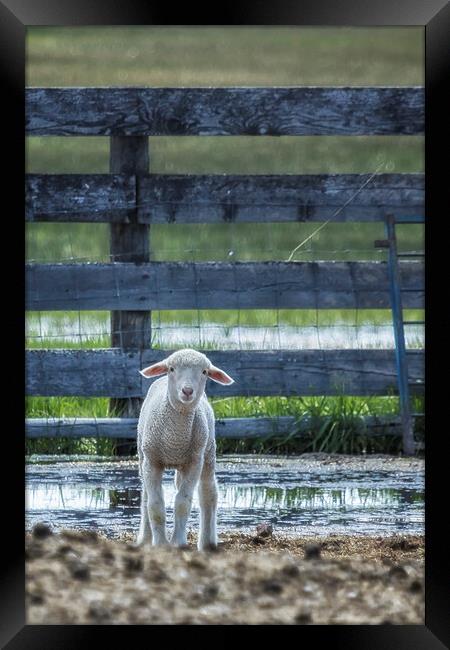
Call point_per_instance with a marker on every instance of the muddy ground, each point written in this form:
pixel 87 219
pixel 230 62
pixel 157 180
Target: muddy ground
pixel 78 577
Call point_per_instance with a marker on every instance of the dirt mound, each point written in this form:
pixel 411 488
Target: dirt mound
pixel 83 578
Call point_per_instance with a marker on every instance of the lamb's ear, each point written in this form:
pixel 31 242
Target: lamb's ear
pixel 155 370
pixel 216 374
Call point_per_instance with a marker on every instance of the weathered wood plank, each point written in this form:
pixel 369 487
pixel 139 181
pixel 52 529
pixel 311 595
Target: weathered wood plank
pixel 80 197
pixel 242 198
pixel 114 373
pixel 219 198
pixel 225 428
pixel 211 285
pixel 82 372
pixel 225 111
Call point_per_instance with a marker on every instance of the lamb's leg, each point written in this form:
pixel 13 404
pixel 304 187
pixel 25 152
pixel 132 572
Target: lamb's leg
pixel 152 475
pixel 186 480
pixel 145 532
pixel 207 492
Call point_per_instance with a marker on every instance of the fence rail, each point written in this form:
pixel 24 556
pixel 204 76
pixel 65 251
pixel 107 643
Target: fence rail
pixel 215 285
pixel 225 111
pixel 252 427
pixel 114 373
pixel 220 198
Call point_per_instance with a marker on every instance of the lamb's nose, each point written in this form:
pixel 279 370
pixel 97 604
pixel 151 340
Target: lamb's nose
pixel 187 391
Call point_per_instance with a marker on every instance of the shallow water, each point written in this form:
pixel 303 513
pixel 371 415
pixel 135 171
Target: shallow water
pixel 297 499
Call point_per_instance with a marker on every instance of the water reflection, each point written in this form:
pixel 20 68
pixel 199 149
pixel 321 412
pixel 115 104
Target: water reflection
pixel 52 497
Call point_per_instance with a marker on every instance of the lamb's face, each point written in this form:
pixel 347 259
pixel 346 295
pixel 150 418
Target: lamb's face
pixel 187 378
pixel 187 372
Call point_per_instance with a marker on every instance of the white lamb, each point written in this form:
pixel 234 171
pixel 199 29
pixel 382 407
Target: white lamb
pixel 176 430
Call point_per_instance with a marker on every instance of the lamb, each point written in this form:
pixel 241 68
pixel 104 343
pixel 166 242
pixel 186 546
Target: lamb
pixel 176 430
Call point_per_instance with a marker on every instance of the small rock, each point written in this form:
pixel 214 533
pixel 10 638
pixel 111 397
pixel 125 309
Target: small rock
pixel 79 570
pixel 415 586
pixel 70 556
pixel 312 551
pixel 196 563
pixel 41 530
pixel 107 555
pixel 272 586
pixel 64 549
pixel 303 617
pixel 210 592
pixel 290 570
pixel 264 530
pixel 397 572
pixel 205 594
pixel 99 612
pixel 133 564
pixel 37 598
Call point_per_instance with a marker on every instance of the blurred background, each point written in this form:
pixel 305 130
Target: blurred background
pixel 226 56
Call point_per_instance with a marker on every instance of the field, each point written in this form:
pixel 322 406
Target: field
pixel 220 57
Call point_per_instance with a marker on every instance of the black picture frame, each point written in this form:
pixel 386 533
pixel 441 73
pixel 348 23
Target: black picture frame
pixel 434 16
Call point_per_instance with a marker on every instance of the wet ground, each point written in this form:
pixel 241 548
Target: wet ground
pixel 340 541
pixel 312 494
pixel 84 578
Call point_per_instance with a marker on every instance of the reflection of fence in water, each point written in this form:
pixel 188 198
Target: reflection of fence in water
pixel 130 200
pixel 308 497
pixel 66 497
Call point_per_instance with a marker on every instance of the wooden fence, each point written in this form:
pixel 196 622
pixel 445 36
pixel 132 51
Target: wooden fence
pixel 130 199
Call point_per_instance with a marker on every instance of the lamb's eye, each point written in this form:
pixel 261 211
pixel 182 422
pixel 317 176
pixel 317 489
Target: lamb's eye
pixel 204 372
pixel 172 369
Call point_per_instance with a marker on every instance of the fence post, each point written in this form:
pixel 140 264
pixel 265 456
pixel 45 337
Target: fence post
pixel 129 242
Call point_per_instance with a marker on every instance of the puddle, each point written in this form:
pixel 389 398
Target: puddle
pixel 297 500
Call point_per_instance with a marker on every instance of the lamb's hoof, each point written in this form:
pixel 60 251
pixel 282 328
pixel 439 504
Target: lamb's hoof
pixel 209 548
pixel 178 543
pixel 183 547
pixel 161 544
pixel 141 543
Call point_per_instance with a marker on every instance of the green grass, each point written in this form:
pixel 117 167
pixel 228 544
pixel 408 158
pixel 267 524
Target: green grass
pixel 202 56
pixel 336 425
pixel 235 154
pixel 222 242
pixel 67 407
pixel 219 56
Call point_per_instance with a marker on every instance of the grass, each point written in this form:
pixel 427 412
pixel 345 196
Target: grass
pixel 336 424
pixel 219 56
pixel 224 56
